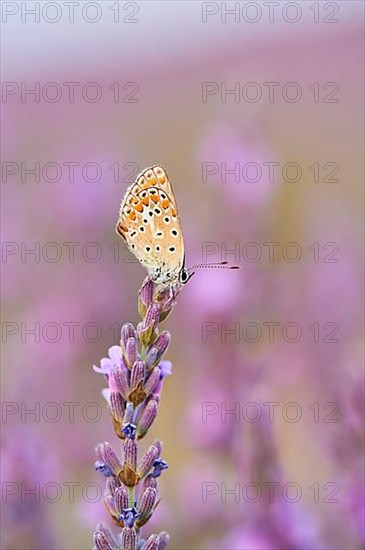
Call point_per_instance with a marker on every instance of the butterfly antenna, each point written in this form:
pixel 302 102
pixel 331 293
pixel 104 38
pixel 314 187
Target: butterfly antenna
pixel 215 265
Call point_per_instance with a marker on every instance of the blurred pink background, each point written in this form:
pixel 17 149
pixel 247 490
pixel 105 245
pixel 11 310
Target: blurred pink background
pixel 161 54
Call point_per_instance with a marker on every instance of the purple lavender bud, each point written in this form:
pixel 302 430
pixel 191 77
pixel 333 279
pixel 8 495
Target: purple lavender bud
pixel 103 468
pixel 110 504
pixel 145 296
pixel 137 374
pixel 152 381
pixel 152 315
pixel 166 298
pixel 151 357
pixel 128 475
pixel 165 370
pixel 163 341
pixel 149 481
pixel 110 458
pixel 112 486
pixel 128 538
pixel 137 394
pixel 117 407
pixel 146 330
pixel 158 349
pixel 128 415
pixel 164 540
pixel 129 516
pixel 145 505
pixel 152 543
pixel 148 416
pixel 130 454
pixel 112 380
pixel 121 382
pixel 101 542
pixel 128 331
pixel 147 461
pixel 121 499
pixel 158 466
pixel 107 533
pixel 158 443
pixel 166 311
pixel 131 351
pixel 137 413
pixel 163 296
pixel 129 430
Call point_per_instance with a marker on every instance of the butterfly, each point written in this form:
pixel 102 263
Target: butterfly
pixel 149 222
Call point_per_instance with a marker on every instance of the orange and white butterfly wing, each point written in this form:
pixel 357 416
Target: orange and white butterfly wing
pixel 149 222
pixel 155 176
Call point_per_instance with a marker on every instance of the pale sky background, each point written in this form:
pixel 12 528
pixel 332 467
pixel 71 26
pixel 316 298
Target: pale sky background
pixel 166 31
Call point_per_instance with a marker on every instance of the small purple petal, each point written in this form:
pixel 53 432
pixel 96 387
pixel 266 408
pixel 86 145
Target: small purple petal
pixel 129 516
pixel 164 540
pixel 158 466
pixel 106 366
pixel 129 430
pixel 115 354
pixel 103 468
pixel 166 368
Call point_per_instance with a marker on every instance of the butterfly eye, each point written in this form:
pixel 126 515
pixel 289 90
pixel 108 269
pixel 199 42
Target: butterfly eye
pixel 172 249
pixel 184 276
pixel 174 232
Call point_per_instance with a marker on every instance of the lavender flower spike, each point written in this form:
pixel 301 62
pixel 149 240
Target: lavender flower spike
pixel 135 372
